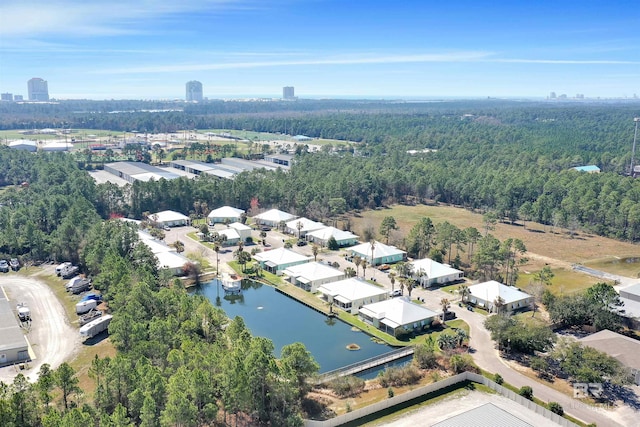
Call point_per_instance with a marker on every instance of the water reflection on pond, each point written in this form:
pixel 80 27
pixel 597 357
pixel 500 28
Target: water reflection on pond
pixel 270 314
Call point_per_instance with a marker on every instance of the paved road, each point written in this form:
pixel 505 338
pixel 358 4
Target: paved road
pixel 51 336
pixel 485 354
pixel 487 357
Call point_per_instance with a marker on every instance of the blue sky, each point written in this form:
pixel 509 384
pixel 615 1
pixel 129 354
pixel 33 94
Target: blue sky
pixel 148 49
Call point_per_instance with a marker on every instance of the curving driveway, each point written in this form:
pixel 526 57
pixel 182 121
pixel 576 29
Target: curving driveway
pixel 51 337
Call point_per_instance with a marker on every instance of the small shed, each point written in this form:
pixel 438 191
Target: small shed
pixel 243 230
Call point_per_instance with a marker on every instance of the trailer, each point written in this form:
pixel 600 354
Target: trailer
pixel 69 271
pixel 88 317
pixel 94 327
pixel 86 306
pixel 24 313
pixel 78 284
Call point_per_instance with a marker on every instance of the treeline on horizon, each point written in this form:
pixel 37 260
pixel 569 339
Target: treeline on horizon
pixel 510 158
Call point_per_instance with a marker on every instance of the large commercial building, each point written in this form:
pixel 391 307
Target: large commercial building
pixel 194 91
pixel 138 171
pixel 6 97
pixel 288 92
pixel 13 346
pixel 38 89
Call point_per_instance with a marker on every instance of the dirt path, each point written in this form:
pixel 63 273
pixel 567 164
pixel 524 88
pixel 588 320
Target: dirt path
pixel 51 336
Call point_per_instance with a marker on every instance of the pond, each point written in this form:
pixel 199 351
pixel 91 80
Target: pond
pixel 283 320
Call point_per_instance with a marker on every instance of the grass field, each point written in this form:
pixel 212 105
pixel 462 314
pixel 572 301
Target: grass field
pixel 77 134
pixel 544 245
pixel 265 136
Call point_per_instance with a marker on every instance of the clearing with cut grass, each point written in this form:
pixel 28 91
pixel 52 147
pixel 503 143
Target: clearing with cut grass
pixel 546 245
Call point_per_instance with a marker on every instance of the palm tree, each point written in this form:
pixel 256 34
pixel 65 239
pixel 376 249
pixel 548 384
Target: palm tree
pixel 461 336
pixel 464 292
pixel 498 303
pixel 447 342
pixel 357 261
pixel 179 246
pixel 350 272
pixel 364 268
pixel 373 248
pixel 315 250
pixel 299 226
pixel 392 279
pixel 445 304
pixel 216 249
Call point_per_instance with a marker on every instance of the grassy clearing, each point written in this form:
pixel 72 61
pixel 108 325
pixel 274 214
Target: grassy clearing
pixel 565 281
pixel 539 239
pixel 77 134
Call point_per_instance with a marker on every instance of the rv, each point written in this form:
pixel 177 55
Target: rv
pixel 61 267
pixel 94 327
pixel 86 306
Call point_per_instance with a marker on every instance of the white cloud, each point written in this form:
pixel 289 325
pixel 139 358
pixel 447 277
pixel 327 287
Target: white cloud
pixel 335 60
pixel 35 18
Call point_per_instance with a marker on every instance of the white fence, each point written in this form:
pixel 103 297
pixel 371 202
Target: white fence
pixel 414 394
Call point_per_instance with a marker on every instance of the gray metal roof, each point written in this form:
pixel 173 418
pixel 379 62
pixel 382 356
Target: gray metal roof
pixel 487 415
pixel 11 336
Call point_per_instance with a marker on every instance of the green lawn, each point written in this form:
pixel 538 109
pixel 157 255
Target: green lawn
pixel 565 281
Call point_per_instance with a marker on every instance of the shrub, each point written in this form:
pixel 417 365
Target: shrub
pixel 425 357
pixel 497 378
pixel 390 392
pixel 460 363
pixel 526 392
pixel 556 408
pixel 332 244
pixel 347 386
pixel 398 377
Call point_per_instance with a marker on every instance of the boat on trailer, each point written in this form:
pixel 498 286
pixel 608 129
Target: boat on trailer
pixel 231 283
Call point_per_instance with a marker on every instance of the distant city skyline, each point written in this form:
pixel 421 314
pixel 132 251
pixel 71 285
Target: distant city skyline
pixel 324 48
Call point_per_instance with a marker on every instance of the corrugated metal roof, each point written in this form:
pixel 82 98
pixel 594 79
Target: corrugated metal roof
pixel 487 415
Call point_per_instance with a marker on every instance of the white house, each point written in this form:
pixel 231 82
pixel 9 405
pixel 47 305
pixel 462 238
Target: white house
pixel 311 275
pixel 244 231
pixel 168 258
pixel 429 272
pixel 232 237
pixel 382 254
pixel 306 226
pixel 224 214
pixel 351 294
pixel 170 218
pixel 322 236
pixel 485 295
pixel 278 260
pixel 397 316
pixel 273 217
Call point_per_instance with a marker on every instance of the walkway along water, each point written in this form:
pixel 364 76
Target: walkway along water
pixel 364 365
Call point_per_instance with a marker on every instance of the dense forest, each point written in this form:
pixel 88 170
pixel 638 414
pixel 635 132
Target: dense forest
pixel 176 362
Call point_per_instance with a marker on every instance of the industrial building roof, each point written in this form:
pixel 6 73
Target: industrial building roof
pixel 11 336
pixel 487 415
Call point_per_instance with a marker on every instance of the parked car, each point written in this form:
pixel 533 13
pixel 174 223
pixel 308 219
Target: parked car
pixel 396 293
pixel 14 264
pixel 4 266
pixel 469 308
pixel 301 243
pixel 166 228
pixel 265 228
pixel 384 267
pixel 449 315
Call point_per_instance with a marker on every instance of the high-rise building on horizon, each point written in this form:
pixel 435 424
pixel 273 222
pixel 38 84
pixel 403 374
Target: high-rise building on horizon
pixel 194 91
pixel 18 98
pixel 38 89
pixel 6 97
pixel 288 92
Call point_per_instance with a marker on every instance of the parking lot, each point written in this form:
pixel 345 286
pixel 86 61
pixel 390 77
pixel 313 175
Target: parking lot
pixel 51 337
